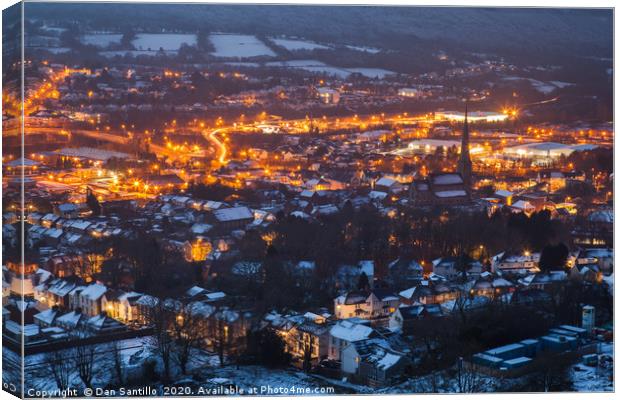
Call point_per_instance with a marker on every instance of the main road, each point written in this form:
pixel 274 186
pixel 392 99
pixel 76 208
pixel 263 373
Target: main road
pixel 217 143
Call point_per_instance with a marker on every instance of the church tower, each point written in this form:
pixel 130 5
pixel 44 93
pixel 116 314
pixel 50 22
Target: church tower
pixel 464 164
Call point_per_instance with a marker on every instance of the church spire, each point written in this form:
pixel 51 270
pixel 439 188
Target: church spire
pixel 464 165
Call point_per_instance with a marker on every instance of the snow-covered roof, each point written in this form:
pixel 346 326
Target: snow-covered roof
pixel 498 351
pixel 385 181
pixel 523 205
pixel 504 193
pixel 447 179
pixel 215 296
pixel 518 360
pixel 94 291
pixel 47 316
pixel 388 360
pixel 377 195
pixel 200 228
pixel 148 300
pixel 350 332
pixel 69 319
pixel 28 330
pixel 233 214
pixel 61 288
pixel 450 193
pixel 300 214
pixel 408 293
pixel 194 291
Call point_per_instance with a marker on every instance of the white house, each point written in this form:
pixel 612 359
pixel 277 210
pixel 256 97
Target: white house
pixel 376 361
pixel 515 263
pixel 388 185
pixel 343 333
pixel 90 299
pixel 367 305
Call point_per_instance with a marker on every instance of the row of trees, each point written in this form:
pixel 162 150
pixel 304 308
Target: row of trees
pixel 83 361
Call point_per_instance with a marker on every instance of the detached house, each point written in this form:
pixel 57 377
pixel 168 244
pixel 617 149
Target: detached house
pixel 376 304
pixel 233 218
pixel 404 318
pixel 491 286
pixel 375 362
pixel 388 185
pixel 429 292
pixel 309 332
pixel 345 332
pixel 450 267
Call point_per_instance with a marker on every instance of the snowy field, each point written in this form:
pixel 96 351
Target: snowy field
pixel 372 72
pixel 320 67
pixel 136 53
pixel 295 44
pixel 240 46
pixel 53 30
pixel 58 50
pixel 542 87
pixel 102 40
pixel 371 50
pixel 166 41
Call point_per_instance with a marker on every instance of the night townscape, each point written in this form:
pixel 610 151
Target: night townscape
pixel 219 199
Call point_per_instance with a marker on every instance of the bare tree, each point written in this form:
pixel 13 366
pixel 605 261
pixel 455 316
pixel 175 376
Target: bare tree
pixel 59 367
pixel 84 359
pixel 221 340
pixel 187 333
pixel 160 318
pixel 468 378
pixel 550 372
pixel 117 363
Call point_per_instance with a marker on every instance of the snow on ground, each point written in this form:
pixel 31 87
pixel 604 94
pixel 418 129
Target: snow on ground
pixel 542 87
pixel 320 67
pixel 372 72
pixel 243 64
pixel 561 84
pixel 599 378
pixel 371 50
pixel 55 50
pixel 294 44
pixel 166 41
pixel 53 29
pixel 264 379
pixel 102 40
pixel 242 46
pixel 314 66
pixel 136 53
pixel 296 63
pixel 339 72
pixel 38 374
